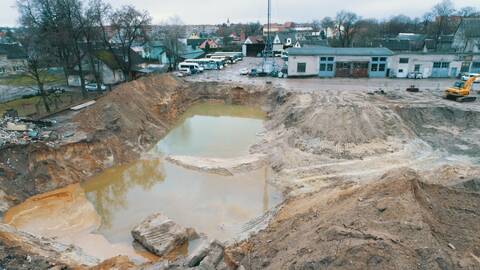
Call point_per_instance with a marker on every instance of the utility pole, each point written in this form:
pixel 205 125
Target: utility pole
pixel 268 51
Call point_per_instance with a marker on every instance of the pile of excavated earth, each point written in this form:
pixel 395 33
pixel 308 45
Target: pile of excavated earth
pixel 382 181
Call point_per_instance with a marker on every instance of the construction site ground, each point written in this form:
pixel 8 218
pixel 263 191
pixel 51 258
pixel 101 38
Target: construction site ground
pixel 371 180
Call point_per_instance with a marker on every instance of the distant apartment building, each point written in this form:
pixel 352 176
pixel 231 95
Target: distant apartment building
pixel 12 59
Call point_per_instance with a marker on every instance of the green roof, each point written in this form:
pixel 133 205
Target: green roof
pixel 321 50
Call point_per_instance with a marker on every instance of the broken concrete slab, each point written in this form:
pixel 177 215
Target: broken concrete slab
pixel 214 256
pixel 16 127
pixel 206 253
pixel 161 235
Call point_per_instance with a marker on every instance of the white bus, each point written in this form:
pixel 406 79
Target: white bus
pixel 190 67
pixel 206 63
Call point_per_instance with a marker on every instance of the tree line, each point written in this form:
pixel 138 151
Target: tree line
pixel 349 29
pixel 67 33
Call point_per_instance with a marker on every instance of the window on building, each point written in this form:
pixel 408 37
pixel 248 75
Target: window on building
pixel 375 59
pixel 437 64
pixel 330 59
pixel 445 64
pixel 323 59
pixel 403 60
pixel 329 67
pixel 374 67
pixel 476 65
pixel 417 68
pixel 2 70
pixel 301 67
pixel 381 67
pixel 323 67
pixel 383 59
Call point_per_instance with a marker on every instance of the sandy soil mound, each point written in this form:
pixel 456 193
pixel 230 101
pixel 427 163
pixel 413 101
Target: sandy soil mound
pixel 221 166
pixel 397 223
pixel 449 128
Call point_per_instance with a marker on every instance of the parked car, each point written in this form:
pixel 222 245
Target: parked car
pixel 415 75
pixel 244 71
pixel 93 87
pixel 467 76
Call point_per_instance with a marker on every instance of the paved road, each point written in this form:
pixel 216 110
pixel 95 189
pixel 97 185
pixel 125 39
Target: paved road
pixel 8 92
pixel 232 74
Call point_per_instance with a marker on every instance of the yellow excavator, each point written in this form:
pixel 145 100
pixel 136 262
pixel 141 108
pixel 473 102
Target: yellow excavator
pixel 460 91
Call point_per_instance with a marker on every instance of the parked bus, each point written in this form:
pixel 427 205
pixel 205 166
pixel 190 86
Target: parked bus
pixel 207 64
pixel 192 68
pixel 226 59
pixel 234 57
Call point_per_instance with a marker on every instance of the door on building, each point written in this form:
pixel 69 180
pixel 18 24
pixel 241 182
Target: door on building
pixel 327 67
pixel 465 67
pixel 475 67
pixel 453 72
pixel 343 69
pixel 440 69
pixel 360 70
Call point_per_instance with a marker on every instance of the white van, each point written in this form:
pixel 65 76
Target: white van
pixel 190 67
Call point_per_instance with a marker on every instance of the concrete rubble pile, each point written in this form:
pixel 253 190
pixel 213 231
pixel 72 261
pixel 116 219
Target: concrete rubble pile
pixel 16 130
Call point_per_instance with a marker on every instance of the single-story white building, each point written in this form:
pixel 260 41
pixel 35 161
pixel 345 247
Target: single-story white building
pixel 338 62
pixel 434 64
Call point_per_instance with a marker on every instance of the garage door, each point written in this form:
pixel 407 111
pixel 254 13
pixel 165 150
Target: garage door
pixel 440 69
pixel 360 69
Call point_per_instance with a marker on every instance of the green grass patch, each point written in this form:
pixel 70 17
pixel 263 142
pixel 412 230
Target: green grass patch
pixel 25 80
pixel 34 106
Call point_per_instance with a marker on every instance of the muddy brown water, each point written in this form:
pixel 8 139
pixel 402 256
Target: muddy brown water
pixel 99 214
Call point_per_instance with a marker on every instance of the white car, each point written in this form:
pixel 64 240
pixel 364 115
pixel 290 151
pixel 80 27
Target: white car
pixel 93 87
pixel 244 71
pixel 415 75
pixel 467 76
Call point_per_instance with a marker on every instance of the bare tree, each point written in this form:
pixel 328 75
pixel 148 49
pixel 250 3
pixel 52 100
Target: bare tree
pixel 346 27
pixel 441 13
pixel 172 30
pixel 468 12
pixel 38 61
pixel 129 27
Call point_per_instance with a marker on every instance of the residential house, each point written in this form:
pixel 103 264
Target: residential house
pixel 12 59
pixel 209 44
pixel 155 52
pixel 467 36
pixel 285 40
pixel 108 65
pixel 338 62
pixel 253 46
pixel 194 43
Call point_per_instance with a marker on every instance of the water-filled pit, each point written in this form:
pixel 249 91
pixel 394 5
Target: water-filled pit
pixel 99 214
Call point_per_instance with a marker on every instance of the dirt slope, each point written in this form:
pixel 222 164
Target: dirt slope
pixel 116 130
pixel 397 223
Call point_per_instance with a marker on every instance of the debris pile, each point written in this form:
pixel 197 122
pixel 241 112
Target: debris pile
pixel 16 130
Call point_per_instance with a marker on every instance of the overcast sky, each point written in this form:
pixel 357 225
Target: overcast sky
pixel 217 11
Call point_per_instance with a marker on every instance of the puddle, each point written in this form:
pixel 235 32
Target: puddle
pixel 121 197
